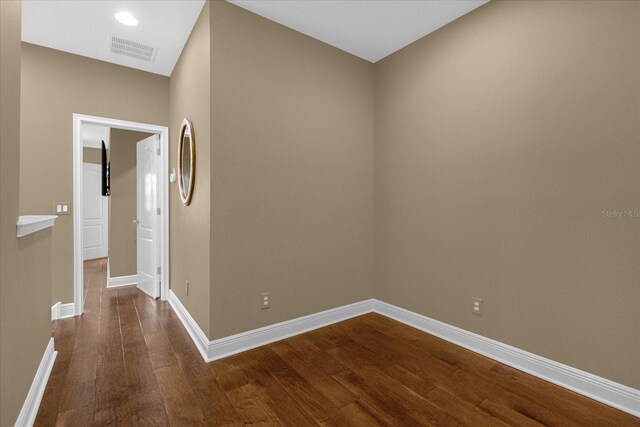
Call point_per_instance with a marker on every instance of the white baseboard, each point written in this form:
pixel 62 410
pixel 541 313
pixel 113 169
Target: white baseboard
pixel 608 392
pixel 31 404
pixel 62 311
pixel 227 346
pixel 116 282
pixel 223 347
pixel 197 335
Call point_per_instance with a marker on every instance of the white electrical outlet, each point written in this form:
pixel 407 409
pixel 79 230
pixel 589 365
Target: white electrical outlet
pixel 265 300
pixel 476 306
pixel 186 285
pixel 62 208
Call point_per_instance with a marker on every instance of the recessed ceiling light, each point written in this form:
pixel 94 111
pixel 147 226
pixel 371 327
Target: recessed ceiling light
pixel 126 19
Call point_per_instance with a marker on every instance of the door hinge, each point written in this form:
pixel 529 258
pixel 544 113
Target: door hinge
pixel 159 270
pixel 158 211
pixel 158 151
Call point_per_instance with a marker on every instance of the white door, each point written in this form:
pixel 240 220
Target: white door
pixel 95 214
pixel 147 162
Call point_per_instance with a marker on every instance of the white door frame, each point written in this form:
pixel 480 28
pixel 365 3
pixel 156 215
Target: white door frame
pixel 163 200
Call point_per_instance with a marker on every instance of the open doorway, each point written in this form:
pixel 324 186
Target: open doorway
pixel 95 200
pixel 121 198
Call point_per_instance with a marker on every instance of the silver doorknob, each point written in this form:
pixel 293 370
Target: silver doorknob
pixel 135 221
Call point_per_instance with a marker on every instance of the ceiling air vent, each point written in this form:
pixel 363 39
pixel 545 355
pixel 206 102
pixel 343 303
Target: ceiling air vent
pixel 139 51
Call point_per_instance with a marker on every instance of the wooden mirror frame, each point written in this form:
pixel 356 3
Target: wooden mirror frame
pixel 186 193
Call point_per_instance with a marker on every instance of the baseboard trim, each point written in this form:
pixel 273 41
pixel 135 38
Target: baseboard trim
pixel 619 396
pixel 31 404
pixel 62 311
pixel 197 335
pixel 116 282
pixel 227 346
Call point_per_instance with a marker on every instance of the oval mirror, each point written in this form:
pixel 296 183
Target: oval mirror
pixel 186 161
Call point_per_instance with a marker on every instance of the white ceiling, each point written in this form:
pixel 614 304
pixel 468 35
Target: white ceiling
pixel 86 27
pixel 370 29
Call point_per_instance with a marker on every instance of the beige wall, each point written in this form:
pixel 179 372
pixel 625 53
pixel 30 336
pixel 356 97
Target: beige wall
pixel 499 141
pixel 123 202
pixel 292 173
pixel 25 285
pixel 54 86
pixel 189 234
pixel 92 155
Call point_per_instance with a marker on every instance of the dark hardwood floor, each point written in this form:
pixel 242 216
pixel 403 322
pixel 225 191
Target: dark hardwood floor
pixel 129 361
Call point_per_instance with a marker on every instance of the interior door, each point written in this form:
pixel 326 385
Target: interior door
pixel 147 161
pixel 95 214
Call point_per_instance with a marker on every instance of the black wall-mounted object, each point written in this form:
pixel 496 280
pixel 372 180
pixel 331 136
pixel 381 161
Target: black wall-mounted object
pixel 106 179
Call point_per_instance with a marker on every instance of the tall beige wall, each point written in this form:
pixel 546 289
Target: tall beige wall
pixel 291 173
pixel 123 207
pixel 25 263
pixel 499 141
pixel 54 86
pixel 190 97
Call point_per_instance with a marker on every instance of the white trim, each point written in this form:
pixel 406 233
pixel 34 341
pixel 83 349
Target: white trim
pixel 116 282
pixel 163 199
pixel 601 389
pixel 197 335
pixel 31 404
pixel 88 142
pixel 28 224
pixel 606 391
pixel 62 311
pixel 227 346
pixel 237 343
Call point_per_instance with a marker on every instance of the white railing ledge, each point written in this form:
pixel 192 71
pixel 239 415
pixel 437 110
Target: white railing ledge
pixel 28 224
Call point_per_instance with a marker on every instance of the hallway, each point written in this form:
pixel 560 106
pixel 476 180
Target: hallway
pixel 123 359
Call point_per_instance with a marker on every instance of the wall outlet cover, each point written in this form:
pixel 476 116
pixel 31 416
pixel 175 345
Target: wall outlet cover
pixel 476 306
pixel 265 300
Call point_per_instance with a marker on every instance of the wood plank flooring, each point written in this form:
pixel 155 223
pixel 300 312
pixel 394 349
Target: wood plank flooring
pixel 128 361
